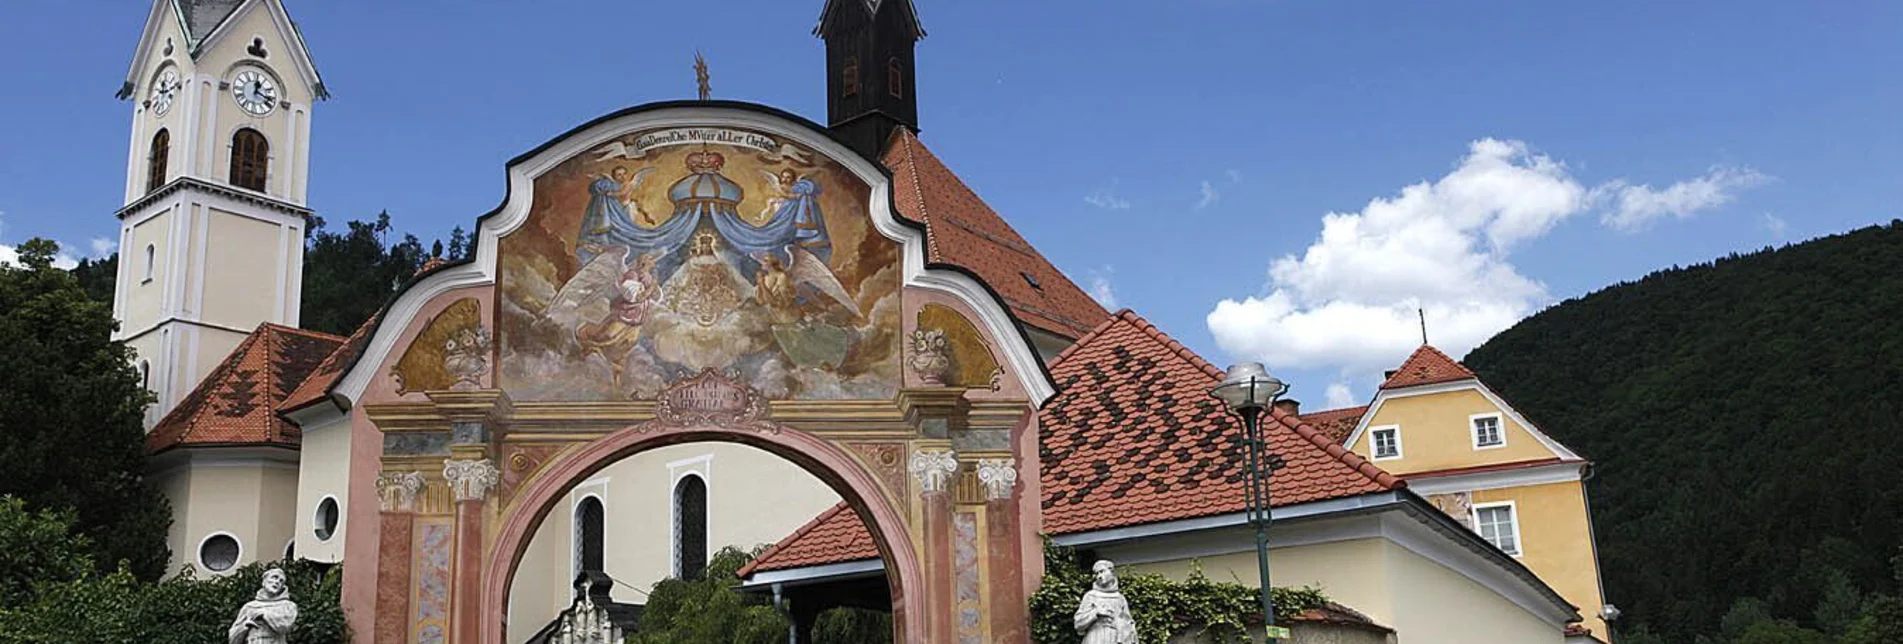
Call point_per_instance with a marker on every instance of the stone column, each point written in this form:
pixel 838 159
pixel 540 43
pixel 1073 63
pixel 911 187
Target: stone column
pixel 470 482
pixel 396 497
pixel 1007 609
pixel 934 468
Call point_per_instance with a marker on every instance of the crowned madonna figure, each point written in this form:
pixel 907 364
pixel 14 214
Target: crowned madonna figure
pixel 1103 617
pixel 268 618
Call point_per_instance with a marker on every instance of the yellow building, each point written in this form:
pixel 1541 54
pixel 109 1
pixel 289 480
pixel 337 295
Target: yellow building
pixel 1457 443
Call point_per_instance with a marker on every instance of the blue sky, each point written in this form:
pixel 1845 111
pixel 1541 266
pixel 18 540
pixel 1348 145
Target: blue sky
pixel 1182 156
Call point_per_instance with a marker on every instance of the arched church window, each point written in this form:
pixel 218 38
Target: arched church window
pixel 151 260
pixel 250 156
pixel 588 535
pixel 155 159
pixel 895 78
pixel 849 78
pixel 145 374
pixel 690 527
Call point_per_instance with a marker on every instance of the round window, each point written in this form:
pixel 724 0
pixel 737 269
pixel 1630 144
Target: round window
pixel 325 523
pixel 218 553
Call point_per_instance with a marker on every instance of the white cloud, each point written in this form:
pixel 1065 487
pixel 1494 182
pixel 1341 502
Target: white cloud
pixel 1633 208
pixel 103 247
pixel 1350 300
pixel 1235 176
pixel 1107 199
pixel 1210 196
pixel 1100 289
pixel 1775 225
pixel 10 255
pixel 1338 395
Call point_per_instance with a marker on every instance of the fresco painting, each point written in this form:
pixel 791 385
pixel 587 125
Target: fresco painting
pixel 663 253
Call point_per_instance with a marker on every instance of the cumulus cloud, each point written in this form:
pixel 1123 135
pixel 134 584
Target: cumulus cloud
pixel 1632 208
pixel 1107 199
pixel 1209 195
pixel 10 255
pixel 1774 224
pixel 1338 395
pixel 1100 288
pixel 103 247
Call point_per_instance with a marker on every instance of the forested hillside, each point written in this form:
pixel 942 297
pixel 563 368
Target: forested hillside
pixel 1744 418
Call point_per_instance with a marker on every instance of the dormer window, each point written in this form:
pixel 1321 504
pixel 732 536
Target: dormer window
pixel 1486 431
pixel 1029 279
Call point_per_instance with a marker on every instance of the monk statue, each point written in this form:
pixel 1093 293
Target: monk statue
pixel 268 618
pixel 1103 617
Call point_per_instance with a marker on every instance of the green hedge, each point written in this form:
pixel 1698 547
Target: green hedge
pixel 1161 607
pixel 118 608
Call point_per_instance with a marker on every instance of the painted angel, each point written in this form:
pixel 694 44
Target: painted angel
pixel 609 221
pixel 782 191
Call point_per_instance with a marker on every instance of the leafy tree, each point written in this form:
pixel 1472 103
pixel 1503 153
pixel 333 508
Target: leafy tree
pixel 1780 632
pixel 1744 613
pixel 1839 606
pixel 71 412
pixel 1162 607
pixel 709 610
pixel 119 609
pixel 350 274
pixel 37 547
pixel 97 276
pixel 1880 623
pixel 1726 406
pixel 852 626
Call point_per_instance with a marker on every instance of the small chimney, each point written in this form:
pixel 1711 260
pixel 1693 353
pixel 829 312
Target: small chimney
pixel 1389 374
pixel 1289 406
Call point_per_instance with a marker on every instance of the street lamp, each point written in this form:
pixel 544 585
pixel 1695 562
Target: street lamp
pixel 1249 390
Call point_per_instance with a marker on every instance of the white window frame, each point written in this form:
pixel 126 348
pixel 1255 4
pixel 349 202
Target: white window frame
pixel 198 554
pixel 1374 443
pixel 317 519
pixel 1499 424
pixel 1513 509
pixel 597 488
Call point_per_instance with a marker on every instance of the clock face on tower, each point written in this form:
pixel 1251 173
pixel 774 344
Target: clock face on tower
pixel 255 92
pixel 164 89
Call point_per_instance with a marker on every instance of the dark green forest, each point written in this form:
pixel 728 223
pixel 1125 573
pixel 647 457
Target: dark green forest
pixel 1743 416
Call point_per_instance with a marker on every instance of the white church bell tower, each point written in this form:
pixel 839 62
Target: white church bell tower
pixel 211 237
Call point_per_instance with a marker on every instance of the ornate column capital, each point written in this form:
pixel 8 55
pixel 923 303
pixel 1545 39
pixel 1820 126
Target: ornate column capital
pixel 999 476
pixel 933 468
pixel 471 480
pixel 396 491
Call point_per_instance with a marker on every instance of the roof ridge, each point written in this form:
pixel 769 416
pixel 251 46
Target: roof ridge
pixel 790 539
pixel 906 140
pixel 1174 346
pixel 305 332
pixel 1354 461
pixel 183 411
pixel 1090 335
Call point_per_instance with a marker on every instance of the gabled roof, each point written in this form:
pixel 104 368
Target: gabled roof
pixel 237 403
pixel 829 16
pixel 1427 366
pixel 1336 424
pixel 836 535
pixel 206 21
pixel 964 232
pixel 316 386
pixel 201 17
pixel 1133 437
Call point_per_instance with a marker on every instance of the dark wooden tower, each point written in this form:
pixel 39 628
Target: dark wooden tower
pixel 871 48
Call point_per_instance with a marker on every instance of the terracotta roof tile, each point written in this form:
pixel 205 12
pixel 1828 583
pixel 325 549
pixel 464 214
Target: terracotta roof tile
pixel 1426 367
pixel 836 535
pixel 316 386
pixel 1133 437
pixel 1336 424
pixel 238 401
pixel 964 232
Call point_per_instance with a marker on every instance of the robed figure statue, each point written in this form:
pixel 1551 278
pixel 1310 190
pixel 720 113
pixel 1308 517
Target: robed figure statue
pixel 1103 617
pixel 268 618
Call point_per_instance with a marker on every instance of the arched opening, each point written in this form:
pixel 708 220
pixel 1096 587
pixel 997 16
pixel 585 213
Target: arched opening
pixel 151 260
pixel 589 537
pixel 145 375
pixel 690 527
pixel 155 159
pixel 250 159
pixel 511 564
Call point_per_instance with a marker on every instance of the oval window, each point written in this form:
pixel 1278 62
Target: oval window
pixel 325 523
pixel 218 553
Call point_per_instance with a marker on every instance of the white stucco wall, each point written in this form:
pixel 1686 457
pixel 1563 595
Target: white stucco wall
pixel 323 472
pixel 249 497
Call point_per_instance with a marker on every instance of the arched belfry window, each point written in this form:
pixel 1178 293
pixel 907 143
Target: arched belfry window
pixel 250 157
pixel 588 534
pixel 690 527
pixel 155 159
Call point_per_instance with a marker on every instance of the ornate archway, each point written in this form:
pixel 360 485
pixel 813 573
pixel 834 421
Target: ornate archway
pixel 767 297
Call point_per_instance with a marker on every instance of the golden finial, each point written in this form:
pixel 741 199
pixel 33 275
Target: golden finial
pixel 700 76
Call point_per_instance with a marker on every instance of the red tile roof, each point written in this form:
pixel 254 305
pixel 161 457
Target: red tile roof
pixel 1337 614
pixel 836 535
pixel 1336 424
pixel 1426 367
pixel 1133 437
pixel 316 386
pixel 237 403
pixel 962 231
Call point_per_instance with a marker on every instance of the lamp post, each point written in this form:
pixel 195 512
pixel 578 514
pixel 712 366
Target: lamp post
pixel 1249 390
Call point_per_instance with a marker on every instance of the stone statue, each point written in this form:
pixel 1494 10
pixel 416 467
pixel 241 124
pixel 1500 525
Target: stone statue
pixel 1103 617
pixel 268 618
